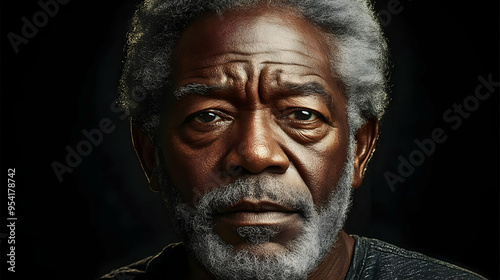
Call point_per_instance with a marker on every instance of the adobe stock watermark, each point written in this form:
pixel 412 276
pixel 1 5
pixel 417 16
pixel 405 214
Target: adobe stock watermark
pixel 453 117
pixel 31 26
pixel 394 7
pixel 93 138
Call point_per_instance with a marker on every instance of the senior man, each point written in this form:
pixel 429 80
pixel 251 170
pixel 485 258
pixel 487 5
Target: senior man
pixel 255 120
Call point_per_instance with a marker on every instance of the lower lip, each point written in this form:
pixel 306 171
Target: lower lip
pixel 240 219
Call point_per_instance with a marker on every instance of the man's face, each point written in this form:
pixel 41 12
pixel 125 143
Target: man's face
pixel 256 107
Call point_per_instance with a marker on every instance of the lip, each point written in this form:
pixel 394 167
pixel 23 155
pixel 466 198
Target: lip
pixel 246 205
pixel 248 213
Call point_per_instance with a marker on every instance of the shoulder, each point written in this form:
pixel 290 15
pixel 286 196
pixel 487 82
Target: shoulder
pixel 380 260
pixel 170 261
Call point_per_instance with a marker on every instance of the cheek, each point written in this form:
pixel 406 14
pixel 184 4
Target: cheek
pixel 322 164
pixel 192 170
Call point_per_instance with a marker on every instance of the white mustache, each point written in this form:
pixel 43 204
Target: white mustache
pixel 255 188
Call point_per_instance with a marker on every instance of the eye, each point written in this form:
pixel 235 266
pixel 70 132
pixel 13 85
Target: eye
pixel 303 115
pixel 206 117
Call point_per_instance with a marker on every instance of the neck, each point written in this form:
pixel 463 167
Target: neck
pixel 336 263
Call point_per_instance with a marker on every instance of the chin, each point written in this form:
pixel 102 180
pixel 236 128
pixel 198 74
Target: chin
pixel 266 249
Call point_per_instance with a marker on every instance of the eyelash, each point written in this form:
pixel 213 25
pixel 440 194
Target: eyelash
pixel 291 111
pixel 283 115
pixel 221 115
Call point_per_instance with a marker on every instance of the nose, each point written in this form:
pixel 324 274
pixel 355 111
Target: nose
pixel 256 149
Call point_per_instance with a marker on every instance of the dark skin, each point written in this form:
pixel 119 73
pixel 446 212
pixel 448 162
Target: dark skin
pixel 273 110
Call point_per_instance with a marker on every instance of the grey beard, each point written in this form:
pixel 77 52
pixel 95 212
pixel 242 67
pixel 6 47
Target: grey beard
pixel 257 234
pixel 301 257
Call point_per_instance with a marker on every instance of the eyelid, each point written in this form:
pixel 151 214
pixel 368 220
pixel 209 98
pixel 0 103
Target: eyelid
pixel 197 117
pixel 311 114
pixel 289 111
pixel 222 115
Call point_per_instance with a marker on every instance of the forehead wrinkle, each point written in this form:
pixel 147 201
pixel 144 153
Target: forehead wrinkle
pixel 221 58
pixel 286 63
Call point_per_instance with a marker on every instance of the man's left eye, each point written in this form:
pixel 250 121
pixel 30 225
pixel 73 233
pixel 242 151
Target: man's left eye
pixel 303 115
pixel 207 117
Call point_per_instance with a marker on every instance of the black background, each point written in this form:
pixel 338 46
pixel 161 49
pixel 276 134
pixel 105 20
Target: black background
pixel 102 215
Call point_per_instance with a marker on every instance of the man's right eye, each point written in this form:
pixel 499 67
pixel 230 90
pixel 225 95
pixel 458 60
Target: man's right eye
pixel 206 117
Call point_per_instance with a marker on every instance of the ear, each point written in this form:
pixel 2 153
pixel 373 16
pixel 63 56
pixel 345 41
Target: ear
pixel 146 154
pixel 365 143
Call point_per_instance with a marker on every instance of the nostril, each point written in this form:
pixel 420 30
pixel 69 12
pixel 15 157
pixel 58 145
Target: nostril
pixel 278 169
pixel 235 170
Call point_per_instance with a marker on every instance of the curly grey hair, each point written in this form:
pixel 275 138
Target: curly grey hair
pixel 359 63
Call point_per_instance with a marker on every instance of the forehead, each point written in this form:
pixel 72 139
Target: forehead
pixel 255 39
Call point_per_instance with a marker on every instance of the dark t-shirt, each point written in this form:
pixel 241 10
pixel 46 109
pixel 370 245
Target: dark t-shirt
pixel 372 259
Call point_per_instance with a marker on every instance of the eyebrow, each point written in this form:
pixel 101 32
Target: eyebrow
pixel 195 88
pixel 312 88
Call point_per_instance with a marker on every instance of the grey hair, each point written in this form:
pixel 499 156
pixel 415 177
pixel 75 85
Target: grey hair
pixel 359 59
